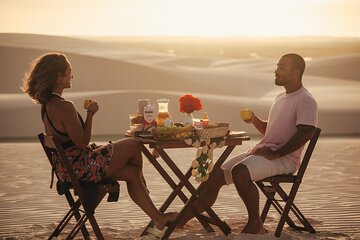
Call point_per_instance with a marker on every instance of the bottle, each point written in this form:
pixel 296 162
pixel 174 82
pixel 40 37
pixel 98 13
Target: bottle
pixel 149 116
pixel 205 119
pixel 163 112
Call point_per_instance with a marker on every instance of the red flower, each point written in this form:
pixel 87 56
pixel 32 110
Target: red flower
pixel 189 104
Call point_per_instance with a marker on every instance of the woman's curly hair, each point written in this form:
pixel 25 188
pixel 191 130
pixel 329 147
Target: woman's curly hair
pixel 39 81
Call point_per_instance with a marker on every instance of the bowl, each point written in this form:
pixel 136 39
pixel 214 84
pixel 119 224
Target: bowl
pixel 136 118
pixel 136 127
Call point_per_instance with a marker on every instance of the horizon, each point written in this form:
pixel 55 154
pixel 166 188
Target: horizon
pixel 230 18
pixel 187 36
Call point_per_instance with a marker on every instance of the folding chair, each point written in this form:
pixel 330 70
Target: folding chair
pixel 274 188
pixel 89 195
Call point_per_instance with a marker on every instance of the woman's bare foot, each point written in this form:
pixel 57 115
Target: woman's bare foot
pixel 254 228
pixel 165 219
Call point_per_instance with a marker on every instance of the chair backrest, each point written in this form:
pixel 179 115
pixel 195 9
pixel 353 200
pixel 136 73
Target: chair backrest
pixel 307 155
pixel 53 145
pixel 48 147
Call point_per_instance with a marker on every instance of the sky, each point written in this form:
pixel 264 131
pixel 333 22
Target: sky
pixel 182 17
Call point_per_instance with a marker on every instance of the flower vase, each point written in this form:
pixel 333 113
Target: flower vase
pixel 189 119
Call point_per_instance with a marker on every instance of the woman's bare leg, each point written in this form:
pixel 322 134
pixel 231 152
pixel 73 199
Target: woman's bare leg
pixel 126 165
pixel 127 151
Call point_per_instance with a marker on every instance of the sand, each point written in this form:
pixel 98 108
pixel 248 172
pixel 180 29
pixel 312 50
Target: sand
pixel 328 197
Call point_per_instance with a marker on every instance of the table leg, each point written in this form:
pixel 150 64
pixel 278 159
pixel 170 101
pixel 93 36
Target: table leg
pixel 196 193
pixel 204 185
pixel 176 191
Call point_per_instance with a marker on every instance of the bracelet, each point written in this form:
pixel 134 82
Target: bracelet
pixel 89 111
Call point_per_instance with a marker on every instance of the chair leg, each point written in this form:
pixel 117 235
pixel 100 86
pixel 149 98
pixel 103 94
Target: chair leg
pixel 270 195
pixel 74 211
pixel 95 227
pixel 77 215
pixel 289 203
pixel 307 226
pixel 80 223
pixel 285 198
pixel 64 222
pixel 269 198
pixel 266 208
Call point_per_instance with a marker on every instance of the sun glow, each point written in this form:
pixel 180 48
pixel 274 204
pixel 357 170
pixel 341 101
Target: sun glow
pixel 182 17
pixel 216 18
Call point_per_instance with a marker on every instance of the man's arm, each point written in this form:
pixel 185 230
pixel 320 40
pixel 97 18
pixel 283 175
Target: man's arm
pixel 259 124
pixel 303 134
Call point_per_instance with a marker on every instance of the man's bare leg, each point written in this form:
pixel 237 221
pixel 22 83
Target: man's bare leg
pixel 250 196
pixel 209 196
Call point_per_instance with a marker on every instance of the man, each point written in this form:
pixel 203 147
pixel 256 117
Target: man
pixel 291 123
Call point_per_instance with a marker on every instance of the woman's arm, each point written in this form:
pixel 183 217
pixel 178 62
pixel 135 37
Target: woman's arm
pixel 78 134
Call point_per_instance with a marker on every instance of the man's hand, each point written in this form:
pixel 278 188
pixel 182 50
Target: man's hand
pixel 266 152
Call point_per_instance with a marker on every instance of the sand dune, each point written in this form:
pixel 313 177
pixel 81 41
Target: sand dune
pixel 342 67
pixel 118 75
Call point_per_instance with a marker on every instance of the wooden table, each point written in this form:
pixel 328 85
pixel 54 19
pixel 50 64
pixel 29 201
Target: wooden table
pixel 160 146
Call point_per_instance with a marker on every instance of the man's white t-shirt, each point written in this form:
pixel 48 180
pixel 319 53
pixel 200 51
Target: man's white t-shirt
pixel 288 111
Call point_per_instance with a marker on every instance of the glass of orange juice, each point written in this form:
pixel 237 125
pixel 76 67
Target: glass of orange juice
pixel 87 102
pixel 246 114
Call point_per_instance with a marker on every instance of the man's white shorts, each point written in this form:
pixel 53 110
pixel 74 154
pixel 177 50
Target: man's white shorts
pixel 259 166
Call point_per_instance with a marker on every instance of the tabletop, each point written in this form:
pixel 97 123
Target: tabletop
pixel 234 138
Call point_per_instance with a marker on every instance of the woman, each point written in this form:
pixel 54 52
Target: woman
pixel 45 82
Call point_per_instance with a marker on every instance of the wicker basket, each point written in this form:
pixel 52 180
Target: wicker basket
pixel 212 132
pixel 175 133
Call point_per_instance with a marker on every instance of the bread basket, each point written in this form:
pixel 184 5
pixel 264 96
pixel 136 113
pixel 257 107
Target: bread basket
pixel 213 131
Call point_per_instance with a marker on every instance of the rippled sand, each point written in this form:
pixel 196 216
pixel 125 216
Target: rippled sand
pixel 329 197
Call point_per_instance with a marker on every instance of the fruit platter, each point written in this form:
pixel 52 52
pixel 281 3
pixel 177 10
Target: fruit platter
pixel 173 132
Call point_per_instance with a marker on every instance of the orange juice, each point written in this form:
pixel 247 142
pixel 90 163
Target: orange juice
pixel 160 119
pixel 246 114
pixel 87 102
pixel 163 112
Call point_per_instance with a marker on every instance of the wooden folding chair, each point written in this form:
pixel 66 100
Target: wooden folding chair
pixel 89 195
pixel 274 188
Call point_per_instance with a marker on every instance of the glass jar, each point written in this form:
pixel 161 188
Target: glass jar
pixel 141 104
pixel 163 112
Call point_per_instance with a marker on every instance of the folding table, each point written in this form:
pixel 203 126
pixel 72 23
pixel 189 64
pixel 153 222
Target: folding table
pixel 161 147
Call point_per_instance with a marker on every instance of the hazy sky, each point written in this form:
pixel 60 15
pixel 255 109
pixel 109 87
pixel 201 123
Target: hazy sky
pixel 182 17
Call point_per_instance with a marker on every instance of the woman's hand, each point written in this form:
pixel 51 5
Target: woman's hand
pixel 95 146
pixel 93 107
